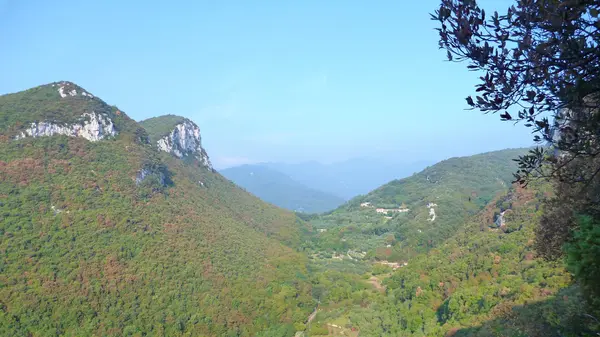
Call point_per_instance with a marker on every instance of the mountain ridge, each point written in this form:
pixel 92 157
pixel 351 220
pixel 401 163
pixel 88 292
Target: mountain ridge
pixel 423 210
pixel 349 178
pixel 472 273
pixel 279 189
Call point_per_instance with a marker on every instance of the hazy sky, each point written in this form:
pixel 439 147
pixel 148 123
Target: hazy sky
pixel 265 80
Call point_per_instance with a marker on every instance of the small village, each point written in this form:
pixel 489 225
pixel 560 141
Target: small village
pixel 401 209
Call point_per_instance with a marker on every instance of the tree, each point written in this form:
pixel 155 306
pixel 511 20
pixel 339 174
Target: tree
pixel 540 66
pixel 582 256
pixel 540 63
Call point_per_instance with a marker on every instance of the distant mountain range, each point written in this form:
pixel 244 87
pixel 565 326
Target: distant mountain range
pixel 312 187
pixel 279 189
pixel 349 178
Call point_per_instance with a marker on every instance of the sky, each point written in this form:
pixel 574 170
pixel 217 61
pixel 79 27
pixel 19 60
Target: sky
pixel 280 81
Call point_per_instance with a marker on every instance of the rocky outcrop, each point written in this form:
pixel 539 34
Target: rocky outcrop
pixel 92 126
pixel 66 89
pixel 185 141
pixel 499 222
pixel 141 175
pixel 432 215
pixel 145 173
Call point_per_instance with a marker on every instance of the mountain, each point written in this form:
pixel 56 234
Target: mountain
pixel 477 177
pixel 116 228
pixel 467 268
pixel 434 201
pixel 484 280
pixel 279 189
pixel 349 178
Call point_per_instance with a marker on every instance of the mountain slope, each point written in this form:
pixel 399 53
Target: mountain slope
pixel 470 272
pixel 478 177
pixel 279 189
pixel 435 202
pixel 106 231
pixel 484 280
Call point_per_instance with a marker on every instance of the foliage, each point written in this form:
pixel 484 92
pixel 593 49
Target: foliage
pixel 483 280
pixel 570 200
pixel 476 177
pixel 558 316
pixel 583 257
pixel 459 188
pixel 541 58
pixel 319 330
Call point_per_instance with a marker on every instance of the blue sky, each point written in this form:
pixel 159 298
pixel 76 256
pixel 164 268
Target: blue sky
pixel 265 80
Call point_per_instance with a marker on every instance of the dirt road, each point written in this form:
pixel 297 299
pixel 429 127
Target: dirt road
pixel 376 283
pixel 313 315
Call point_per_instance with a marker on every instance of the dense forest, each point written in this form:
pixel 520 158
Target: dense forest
pixel 486 279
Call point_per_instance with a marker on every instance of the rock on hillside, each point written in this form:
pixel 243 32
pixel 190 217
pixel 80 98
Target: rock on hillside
pixel 91 126
pixel 178 136
pixel 59 108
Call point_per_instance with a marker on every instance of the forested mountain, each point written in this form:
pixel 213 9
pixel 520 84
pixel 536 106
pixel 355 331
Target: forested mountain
pixel 435 202
pixel 281 190
pixel 478 178
pixel 484 280
pixel 110 229
pixel 469 268
pixel 349 178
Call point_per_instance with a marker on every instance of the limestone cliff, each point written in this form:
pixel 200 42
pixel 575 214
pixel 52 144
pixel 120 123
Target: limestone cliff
pixel 92 126
pixel 178 136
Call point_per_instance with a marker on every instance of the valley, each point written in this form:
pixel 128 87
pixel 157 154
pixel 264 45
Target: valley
pixel 300 168
pixel 480 272
pixel 117 227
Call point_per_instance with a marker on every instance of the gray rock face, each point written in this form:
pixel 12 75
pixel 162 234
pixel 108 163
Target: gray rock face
pixel 144 173
pixel 184 141
pixel 66 89
pixel 141 175
pixel 500 220
pixel 92 126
